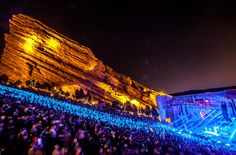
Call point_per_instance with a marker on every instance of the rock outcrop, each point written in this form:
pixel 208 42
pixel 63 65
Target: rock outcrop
pixel 35 51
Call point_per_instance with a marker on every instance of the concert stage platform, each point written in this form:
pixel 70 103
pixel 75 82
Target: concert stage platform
pixel 210 114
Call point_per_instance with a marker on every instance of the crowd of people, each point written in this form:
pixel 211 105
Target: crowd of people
pixel 28 128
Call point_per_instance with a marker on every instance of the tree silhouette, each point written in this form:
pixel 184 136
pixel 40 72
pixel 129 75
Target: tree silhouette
pixel 4 78
pixel 147 110
pixel 67 94
pixel 90 96
pixel 46 85
pixel 17 83
pixel 79 94
pixel 28 83
pixel 155 112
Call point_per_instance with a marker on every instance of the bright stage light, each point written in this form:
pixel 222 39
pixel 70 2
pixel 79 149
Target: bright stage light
pixel 233 134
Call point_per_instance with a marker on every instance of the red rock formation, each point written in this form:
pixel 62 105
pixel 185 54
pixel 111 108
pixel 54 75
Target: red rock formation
pixel 35 51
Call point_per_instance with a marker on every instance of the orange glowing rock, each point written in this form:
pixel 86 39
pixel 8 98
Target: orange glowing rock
pixel 35 51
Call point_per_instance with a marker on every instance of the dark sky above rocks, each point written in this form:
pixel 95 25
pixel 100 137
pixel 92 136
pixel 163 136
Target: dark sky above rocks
pixel 171 46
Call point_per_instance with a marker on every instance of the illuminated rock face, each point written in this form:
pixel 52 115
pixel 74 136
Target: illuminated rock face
pixel 35 51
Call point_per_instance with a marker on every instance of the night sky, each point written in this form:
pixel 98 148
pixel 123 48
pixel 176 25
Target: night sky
pixel 171 46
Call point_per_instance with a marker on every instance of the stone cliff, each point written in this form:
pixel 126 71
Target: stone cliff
pixel 35 51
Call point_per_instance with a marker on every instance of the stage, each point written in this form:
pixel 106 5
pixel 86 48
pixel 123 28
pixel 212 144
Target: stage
pixel 210 115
